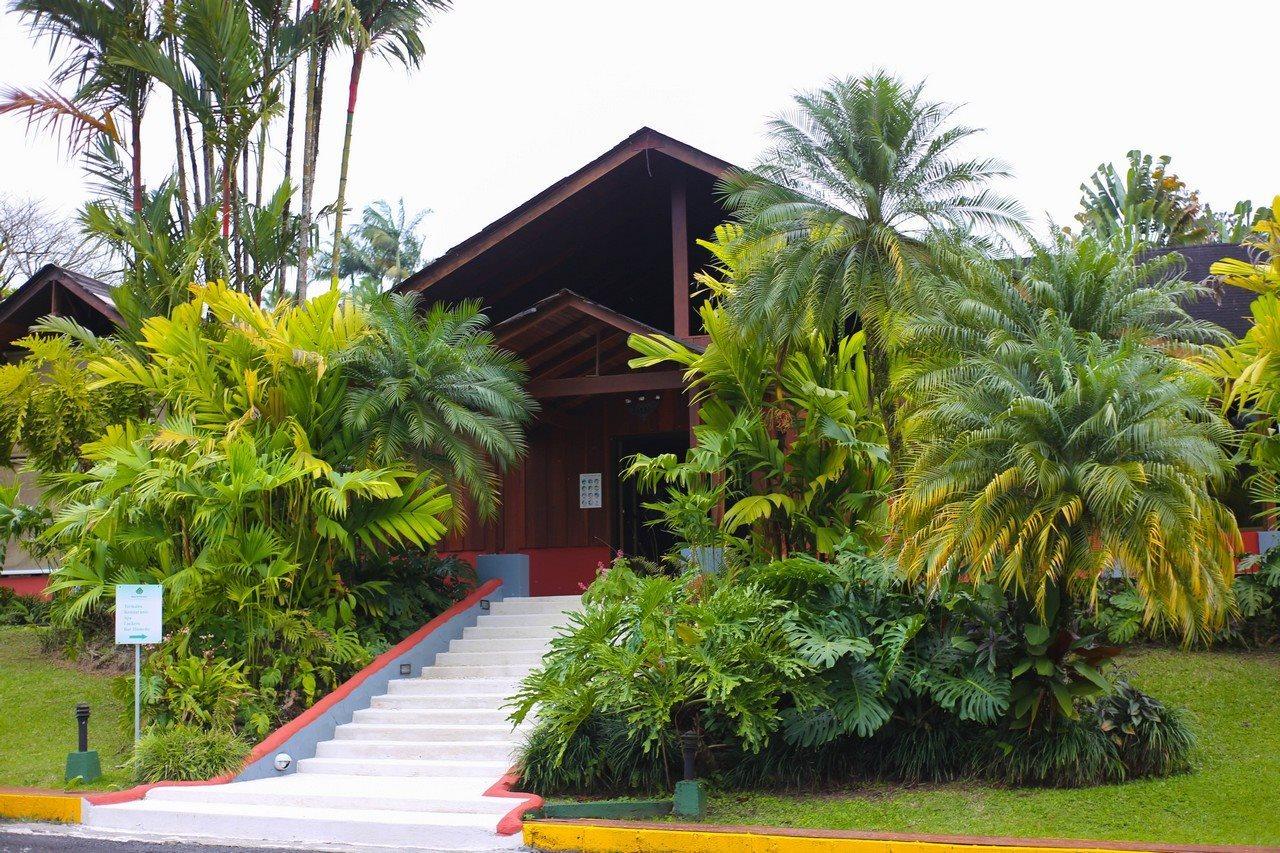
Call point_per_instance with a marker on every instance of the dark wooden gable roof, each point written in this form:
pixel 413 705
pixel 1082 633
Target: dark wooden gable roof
pixel 1228 306
pixel 54 290
pixel 569 337
pixel 602 231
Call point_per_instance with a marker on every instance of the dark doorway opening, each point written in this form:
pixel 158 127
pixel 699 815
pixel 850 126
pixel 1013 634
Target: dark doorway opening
pixel 637 532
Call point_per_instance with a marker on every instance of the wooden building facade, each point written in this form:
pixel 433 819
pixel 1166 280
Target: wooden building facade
pixel 608 251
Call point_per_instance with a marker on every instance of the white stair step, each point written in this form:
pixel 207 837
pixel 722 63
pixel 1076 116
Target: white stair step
pixel 408 830
pixel 426 734
pixel 498 658
pixel 510 606
pixel 504 673
pixel 433 716
pixel 429 702
pixel 354 792
pixel 494 688
pixel 536 633
pixel 458 750
pixel 500 644
pixel 550 621
pixel 486 770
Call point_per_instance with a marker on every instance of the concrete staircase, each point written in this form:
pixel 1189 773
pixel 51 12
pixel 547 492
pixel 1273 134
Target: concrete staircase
pixel 409 772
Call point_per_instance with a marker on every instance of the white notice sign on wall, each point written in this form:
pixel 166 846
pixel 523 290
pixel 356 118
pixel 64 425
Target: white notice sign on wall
pixel 590 491
pixel 139 614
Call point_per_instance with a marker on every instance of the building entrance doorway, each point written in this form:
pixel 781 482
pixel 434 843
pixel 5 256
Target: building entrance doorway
pixel 637 532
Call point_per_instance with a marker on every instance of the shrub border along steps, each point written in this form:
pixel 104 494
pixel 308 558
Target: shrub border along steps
pixel 612 836
pixel 317 722
pixel 39 804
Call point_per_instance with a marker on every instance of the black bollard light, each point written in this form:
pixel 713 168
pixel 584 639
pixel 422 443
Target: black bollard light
pixel 82 724
pixel 83 764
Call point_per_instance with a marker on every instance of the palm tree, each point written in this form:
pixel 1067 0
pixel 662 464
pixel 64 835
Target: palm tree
pixel 1042 467
pixel 432 387
pixel 858 178
pixel 381 27
pixel 968 302
pixel 216 76
pixel 391 237
pixel 90 31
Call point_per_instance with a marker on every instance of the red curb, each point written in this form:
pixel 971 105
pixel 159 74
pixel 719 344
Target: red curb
pixel 512 822
pixel 289 729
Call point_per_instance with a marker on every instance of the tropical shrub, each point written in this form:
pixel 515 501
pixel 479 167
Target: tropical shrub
pixel 416 585
pixel 785 441
pixel 1249 366
pixel 1150 738
pixel 885 680
pixel 18 609
pixel 667 656
pixel 1252 620
pixel 242 495
pixel 187 753
pixel 50 407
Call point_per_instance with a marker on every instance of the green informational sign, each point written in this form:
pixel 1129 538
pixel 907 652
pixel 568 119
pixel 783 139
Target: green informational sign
pixel 139 614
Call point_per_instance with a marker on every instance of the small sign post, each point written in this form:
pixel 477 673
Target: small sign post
pixel 139 621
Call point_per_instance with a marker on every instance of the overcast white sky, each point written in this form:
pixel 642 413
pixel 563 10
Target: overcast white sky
pixel 515 94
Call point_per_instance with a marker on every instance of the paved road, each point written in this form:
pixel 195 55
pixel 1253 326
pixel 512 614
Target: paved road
pixel 53 838
pixel 49 839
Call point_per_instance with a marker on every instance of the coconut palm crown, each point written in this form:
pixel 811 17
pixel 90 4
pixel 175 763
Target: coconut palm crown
pixel 858 175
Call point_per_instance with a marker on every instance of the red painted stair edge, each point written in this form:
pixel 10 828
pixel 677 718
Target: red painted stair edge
pixel 298 723
pixel 513 821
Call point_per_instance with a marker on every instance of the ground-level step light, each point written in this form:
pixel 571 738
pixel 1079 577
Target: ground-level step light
pixel 83 764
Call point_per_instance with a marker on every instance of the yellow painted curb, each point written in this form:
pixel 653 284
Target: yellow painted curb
pixel 40 807
pixel 586 838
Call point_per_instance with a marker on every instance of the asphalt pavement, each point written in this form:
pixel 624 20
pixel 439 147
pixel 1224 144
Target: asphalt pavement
pixel 31 838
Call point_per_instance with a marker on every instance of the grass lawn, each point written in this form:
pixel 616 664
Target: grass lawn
pixel 37 715
pixel 1231 797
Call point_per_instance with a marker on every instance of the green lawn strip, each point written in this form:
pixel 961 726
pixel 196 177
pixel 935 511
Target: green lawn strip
pixel 37 716
pixel 1232 796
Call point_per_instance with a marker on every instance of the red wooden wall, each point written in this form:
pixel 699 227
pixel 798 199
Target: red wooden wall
pixel 540 514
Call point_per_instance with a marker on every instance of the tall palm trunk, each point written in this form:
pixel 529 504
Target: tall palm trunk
pixel 310 131
pixel 228 163
pixel 357 64
pixel 135 132
pixel 278 289
pixel 196 198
